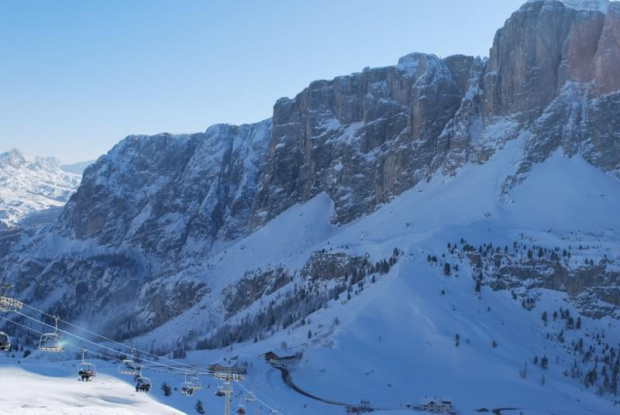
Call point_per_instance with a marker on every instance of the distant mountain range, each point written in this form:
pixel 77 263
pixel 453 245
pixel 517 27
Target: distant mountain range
pixel 33 191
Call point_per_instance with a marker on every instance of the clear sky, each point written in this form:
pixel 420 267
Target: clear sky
pixel 76 76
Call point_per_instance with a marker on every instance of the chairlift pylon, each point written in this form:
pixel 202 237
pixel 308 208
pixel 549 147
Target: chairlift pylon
pixel 51 342
pixel 86 371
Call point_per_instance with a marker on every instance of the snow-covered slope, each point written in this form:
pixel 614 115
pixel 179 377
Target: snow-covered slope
pixel 54 390
pixel 32 187
pixel 393 341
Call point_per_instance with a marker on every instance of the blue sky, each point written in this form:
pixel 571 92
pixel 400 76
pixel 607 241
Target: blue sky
pixel 76 76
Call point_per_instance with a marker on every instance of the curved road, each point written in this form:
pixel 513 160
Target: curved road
pixel 288 381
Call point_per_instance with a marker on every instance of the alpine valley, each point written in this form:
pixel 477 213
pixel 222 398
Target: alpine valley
pixel 444 227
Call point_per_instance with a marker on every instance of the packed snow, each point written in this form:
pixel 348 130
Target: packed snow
pixel 46 388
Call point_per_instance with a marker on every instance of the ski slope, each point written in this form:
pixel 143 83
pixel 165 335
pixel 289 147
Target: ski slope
pixel 56 391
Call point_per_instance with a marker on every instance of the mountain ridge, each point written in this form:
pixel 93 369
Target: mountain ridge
pixel 32 190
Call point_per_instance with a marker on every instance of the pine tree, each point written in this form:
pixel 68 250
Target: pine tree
pixel 523 371
pixel 166 389
pixel 199 408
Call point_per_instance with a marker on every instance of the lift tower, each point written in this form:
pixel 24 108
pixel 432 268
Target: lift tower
pixel 228 375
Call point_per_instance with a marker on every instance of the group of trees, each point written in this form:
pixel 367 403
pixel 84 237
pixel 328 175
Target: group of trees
pixel 291 307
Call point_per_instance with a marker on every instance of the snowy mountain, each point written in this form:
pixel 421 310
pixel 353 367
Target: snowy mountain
pixel 33 190
pixel 410 229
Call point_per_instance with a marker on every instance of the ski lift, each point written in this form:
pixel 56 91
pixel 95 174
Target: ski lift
pixel 187 388
pixel 196 382
pixel 128 366
pixel 51 342
pixel 86 371
pixel 241 410
pixel 250 397
pixel 7 303
pixel 143 384
pixel 221 392
pixel 5 342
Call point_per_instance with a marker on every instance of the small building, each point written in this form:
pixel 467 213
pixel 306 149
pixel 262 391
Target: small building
pixel 282 361
pixel 437 406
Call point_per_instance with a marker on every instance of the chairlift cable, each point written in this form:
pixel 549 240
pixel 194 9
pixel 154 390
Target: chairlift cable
pixel 166 368
pixel 107 338
pixel 169 370
pixel 181 371
pixel 259 400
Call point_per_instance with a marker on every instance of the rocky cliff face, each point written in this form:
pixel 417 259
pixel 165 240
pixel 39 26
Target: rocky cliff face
pixel 364 138
pixel 149 215
pixel 147 210
pixel 170 194
pixel 361 138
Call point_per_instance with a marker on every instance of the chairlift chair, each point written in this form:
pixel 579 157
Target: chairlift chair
pixel 187 389
pixel 143 384
pixel 128 367
pixel 196 382
pixel 7 303
pixel 86 371
pixel 5 342
pixel 51 342
pixel 220 392
pixel 241 410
